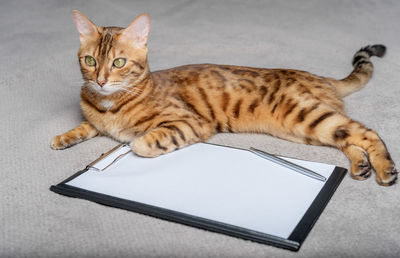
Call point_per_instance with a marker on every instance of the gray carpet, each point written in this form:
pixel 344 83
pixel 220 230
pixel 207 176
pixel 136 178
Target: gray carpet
pixel 40 80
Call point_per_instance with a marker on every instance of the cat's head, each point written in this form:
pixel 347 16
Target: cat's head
pixel 112 58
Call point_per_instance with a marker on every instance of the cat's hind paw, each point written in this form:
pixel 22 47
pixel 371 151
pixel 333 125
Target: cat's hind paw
pixel 362 170
pixel 388 178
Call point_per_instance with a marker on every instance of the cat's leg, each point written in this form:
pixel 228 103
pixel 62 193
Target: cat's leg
pixel 170 136
pixel 81 133
pixel 360 166
pixel 336 129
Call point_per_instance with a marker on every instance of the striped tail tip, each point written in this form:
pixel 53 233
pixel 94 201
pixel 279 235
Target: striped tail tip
pixel 368 51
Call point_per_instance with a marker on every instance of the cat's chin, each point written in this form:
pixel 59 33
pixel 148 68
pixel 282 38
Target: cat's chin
pixel 105 91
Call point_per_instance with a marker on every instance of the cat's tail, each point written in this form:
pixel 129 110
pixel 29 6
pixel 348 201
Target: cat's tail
pixel 362 72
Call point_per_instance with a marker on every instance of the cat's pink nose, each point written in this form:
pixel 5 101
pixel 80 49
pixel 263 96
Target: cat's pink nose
pixel 101 82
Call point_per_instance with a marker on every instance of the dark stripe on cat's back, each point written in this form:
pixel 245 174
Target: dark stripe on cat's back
pixel 218 75
pixel 272 95
pixel 276 86
pixel 263 91
pixel 225 101
pixel 274 108
pixel 280 102
pixel 204 97
pixel 245 72
pixel 320 119
pixel 305 111
pixel 290 109
pixel 253 105
pixel 236 109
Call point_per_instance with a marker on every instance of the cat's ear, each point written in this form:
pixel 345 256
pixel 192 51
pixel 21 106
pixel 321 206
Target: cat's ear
pixel 86 28
pixel 138 31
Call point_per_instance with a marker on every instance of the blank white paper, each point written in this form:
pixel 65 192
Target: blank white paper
pixel 219 183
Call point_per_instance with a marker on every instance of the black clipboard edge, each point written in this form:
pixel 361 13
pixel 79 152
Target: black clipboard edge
pixel 311 216
pixel 173 216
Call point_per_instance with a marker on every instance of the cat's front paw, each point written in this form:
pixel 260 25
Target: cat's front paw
pixel 57 143
pixel 142 148
pixel 61 142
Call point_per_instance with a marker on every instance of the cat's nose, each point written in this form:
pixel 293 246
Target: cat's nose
pixel 101 82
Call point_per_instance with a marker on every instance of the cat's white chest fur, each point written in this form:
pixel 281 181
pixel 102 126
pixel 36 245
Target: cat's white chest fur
pixel 107 104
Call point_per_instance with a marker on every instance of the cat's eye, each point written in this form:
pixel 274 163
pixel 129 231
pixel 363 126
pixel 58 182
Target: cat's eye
pixel 90 61
pixel 119 62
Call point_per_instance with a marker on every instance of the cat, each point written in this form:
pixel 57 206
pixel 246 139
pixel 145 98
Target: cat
pixel 158 112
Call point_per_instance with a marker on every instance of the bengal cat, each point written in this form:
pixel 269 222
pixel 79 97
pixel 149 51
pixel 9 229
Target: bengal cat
pixel 158 112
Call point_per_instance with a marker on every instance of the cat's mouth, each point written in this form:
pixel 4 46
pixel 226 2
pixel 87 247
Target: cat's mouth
pixel 106 89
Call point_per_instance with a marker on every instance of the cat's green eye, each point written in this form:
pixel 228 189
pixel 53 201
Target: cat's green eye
pixel 90 61
pixel 119 62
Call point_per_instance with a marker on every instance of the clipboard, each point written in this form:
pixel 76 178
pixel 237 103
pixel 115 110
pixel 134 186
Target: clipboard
pixel 176 192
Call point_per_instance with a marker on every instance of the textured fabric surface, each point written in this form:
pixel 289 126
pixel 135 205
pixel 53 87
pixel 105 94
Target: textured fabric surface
pixel 40 81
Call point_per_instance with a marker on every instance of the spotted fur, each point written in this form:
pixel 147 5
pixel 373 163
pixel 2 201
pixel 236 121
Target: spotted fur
pixel 158 112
